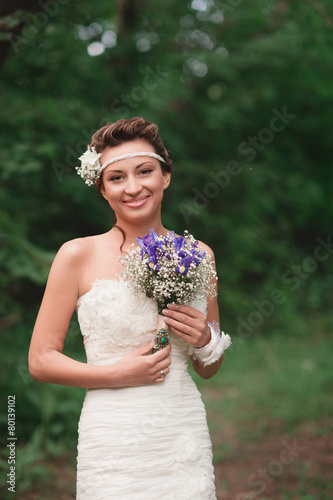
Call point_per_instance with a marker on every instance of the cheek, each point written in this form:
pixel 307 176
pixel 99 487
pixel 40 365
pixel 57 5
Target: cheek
pixel 113 188
pixel 158 181
pixel 112 194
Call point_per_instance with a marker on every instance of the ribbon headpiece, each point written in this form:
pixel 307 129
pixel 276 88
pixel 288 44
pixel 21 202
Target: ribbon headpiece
pixel 91 168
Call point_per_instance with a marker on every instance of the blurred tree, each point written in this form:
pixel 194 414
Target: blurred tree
pixel 242 96
pixel 242 93
pixel 14 16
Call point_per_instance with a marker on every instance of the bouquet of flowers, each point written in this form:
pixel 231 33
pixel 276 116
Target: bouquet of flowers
pixel 169 269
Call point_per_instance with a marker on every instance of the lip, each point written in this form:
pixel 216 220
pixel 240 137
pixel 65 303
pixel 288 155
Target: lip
pixel 136 202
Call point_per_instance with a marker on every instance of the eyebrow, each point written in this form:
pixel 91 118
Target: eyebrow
pixel 121 171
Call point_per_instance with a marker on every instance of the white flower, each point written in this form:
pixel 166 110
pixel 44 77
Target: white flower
pixel 90 156
pixel 164 284
pixel 90 166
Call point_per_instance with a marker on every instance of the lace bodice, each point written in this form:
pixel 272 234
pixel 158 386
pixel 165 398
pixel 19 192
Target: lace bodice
pixel 114 321
pixel 132 438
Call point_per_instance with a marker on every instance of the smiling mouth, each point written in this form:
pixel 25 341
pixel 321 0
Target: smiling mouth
pixel 137 201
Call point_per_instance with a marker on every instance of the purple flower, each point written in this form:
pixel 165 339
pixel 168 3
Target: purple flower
pixel 147 239
pixel 170 246
pixel 184 265
pixel 179 243
pixel 153 266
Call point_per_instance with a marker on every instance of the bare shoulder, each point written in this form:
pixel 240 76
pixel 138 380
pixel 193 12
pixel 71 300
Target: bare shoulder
pixel 206 248
pixel 75 253
pixel 69 263
pixel 73 249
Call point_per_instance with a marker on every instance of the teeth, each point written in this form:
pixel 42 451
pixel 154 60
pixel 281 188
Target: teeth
pixel 135 202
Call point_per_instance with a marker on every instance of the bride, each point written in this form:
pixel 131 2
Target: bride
pixel 142 432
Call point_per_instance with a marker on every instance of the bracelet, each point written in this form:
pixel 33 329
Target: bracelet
pixel 212 352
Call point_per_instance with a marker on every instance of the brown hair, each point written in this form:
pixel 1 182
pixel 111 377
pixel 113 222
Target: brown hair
pixel 126 130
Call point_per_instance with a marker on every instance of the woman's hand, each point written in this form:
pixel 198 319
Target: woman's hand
pixel 188 323
pixel 140 367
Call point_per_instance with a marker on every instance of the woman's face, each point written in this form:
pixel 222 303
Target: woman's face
pixel 133 187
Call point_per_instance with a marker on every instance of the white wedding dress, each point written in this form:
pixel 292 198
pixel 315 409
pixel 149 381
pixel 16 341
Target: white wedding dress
pixel 139 443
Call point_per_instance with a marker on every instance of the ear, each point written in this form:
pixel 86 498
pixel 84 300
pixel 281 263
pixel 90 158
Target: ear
pixel 166 179
pixel 100 185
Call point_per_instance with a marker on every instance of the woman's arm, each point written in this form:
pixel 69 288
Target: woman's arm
pixel 209 371
pixel 47 363
pixel 192 326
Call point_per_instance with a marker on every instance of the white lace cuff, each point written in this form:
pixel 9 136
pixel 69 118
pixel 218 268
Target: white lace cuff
pixel 211 352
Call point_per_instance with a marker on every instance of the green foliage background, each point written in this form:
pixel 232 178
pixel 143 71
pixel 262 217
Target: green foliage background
pixel 212 75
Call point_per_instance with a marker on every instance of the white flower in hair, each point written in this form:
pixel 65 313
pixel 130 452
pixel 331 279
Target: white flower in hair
pixel 90 166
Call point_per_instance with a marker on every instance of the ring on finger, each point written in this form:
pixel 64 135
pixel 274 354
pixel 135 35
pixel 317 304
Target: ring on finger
pixel 162 373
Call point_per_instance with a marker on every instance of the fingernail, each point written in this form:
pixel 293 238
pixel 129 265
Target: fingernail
pixel 171 306
pixel 165 311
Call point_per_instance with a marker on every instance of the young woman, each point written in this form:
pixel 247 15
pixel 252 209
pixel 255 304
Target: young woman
pixel 142 433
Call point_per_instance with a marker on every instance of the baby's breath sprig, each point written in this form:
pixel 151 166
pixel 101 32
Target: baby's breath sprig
pixel 169 269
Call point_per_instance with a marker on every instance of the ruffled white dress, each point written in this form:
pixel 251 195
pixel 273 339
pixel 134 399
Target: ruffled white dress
pixel 139 443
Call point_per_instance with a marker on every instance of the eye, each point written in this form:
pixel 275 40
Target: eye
pixel 145 171
pixel 115 178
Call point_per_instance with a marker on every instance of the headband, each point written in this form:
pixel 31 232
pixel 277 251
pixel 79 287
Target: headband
pixel 91 168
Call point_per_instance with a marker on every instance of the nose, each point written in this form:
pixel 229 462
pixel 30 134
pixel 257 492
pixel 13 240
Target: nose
pixel 133 186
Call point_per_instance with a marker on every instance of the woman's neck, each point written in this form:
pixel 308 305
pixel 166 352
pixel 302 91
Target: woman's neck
pixel 138 230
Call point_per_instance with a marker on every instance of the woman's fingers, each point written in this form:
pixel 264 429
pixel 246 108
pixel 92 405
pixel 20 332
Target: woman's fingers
pixel 162 369
pixel 162 373
pixel 162 353
pixel 145 349
pixel 162 363
pixel 181 308
pixel 141 367
pixel 178 326
pixel 184 325
pixel 188 323
pixel 184 314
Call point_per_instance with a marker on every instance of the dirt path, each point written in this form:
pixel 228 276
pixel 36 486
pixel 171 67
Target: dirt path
pixel 274 467
pixel 279 467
